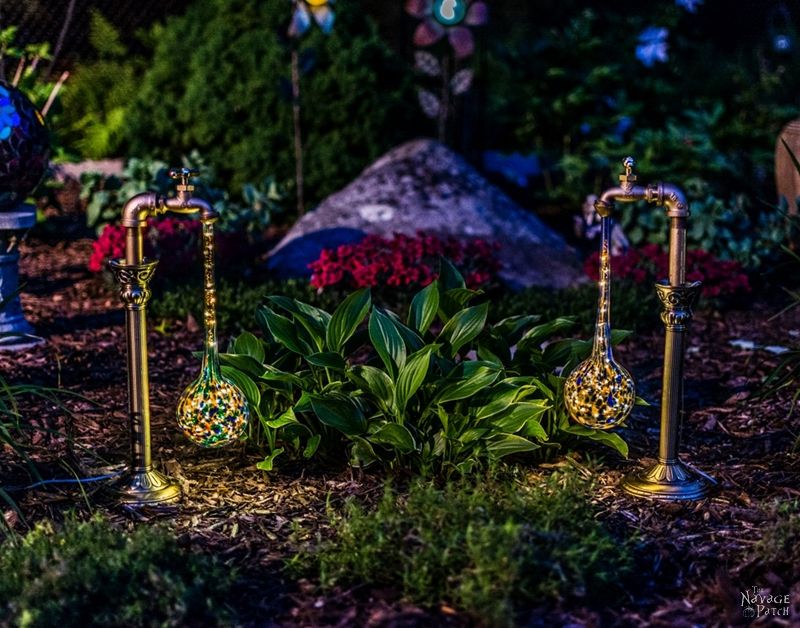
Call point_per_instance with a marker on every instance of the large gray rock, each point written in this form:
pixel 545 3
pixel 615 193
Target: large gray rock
pixel 424 186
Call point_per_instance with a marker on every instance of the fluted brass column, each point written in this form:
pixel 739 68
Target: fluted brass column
pixel 142 484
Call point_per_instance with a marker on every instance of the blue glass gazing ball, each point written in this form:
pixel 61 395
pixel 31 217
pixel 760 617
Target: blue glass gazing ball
pixel 449 12
pixel 24 146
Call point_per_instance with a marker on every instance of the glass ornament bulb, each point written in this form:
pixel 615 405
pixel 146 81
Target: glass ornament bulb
pixel 599 393
pixel 212 411
pixel 450 12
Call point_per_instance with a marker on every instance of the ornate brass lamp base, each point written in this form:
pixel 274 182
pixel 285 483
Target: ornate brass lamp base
pixel 667 481
pixel 146 487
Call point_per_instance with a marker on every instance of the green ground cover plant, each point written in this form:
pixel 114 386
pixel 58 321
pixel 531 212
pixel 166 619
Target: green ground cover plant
pixel 438 391
pixel 88 573
pixel 490 548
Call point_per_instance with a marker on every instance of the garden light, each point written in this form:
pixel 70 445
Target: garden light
pixel 600 393
pixel 143 483
pixel 669 478
pixel 24 155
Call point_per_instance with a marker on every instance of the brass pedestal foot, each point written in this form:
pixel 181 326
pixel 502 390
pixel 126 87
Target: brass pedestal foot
pixel 144 487
pixel 668 481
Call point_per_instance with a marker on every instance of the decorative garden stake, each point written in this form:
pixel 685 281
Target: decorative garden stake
pixel 24 155
pixel 143 484
pixel 600 393
pixel 453 18
pixel 302 14
pixel 669 478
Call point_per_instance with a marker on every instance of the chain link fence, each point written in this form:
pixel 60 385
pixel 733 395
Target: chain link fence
pixel 64 24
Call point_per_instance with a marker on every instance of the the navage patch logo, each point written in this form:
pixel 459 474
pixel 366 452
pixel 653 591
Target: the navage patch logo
pixel 756 603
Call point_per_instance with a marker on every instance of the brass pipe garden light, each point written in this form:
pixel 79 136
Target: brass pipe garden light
pixel 143 483
pixel 669 478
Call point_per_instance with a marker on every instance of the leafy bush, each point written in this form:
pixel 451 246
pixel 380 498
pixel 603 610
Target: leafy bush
pixel 442 391
pixel 98 94
pixel 568 85
pixel 490 549
pixel 729 231
pixel 651 263
pixel 105 196
pixel 228 96
pixel 179 237
pixel 90 574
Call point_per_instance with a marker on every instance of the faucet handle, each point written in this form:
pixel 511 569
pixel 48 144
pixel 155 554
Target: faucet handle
pixel 628 178
pixel 183 175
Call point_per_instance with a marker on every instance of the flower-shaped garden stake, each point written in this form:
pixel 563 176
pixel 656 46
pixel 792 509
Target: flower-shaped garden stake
pixel 451 19
pixel 305 13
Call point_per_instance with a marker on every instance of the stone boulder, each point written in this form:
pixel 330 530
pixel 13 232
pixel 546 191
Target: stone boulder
pixel 424 186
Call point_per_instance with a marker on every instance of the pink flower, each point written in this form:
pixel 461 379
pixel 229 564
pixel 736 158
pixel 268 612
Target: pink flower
pixel 448 17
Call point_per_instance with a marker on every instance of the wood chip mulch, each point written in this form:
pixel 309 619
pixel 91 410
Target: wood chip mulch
pixel 699 555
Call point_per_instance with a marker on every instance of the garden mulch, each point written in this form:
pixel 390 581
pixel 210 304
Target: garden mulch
pixel 697 558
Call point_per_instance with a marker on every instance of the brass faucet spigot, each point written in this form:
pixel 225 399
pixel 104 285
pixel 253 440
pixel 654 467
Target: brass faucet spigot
pixel 669 478
pixel 143 484
pixel 628 179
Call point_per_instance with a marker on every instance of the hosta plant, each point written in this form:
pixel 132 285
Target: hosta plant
pixel 440 390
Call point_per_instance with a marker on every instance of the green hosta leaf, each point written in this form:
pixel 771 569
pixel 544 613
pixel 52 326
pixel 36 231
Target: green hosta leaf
pixel 465 326
pixel 328 360
pixel 340 414
pixel 312 445
pixel 508 444
pixel 473 434
pixel 413 340
pixel 519 415
pixel 284 419
pixel 606 438
pixel 347 318
pixel 268 462
pixel 499 401
pixel 248 344
pixel 424 307
pixel 244 383
pixel 273 374
pixel 387 341
pixel 284 331
pixel 375 381
pixel 396 436
pixel 513 328
pixel 362 454
pixel 449 277
pixel 412 375
pixel 313 319
pixel 244 363
pixel 481 378
pixel 533 338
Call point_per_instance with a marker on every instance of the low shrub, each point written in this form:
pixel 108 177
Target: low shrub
pixel 779 546
pixel 490 548
pixel 91 574
pixel 179 237
pixel 649 263
pixel 441 391
pixel 403 262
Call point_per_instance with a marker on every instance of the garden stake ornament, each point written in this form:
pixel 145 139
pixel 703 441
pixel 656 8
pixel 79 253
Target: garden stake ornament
pixel 211 410
pixel 600 379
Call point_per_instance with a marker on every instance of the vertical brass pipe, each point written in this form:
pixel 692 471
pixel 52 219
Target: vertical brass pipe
pixel 142 484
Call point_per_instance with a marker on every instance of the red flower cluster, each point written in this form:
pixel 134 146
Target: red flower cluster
pixel 403 261
pixel 649 263
pixel 178 236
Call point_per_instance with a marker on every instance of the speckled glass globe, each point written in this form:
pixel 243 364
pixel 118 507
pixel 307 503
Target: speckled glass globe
pixel 24 146
pixel 212 412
